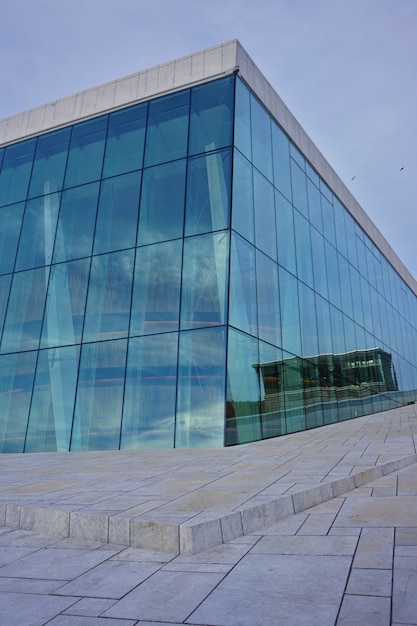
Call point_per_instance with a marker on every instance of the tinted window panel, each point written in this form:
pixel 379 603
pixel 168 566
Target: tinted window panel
pixel 15 172
pixel 75 229
pixel 49 164
pixel 10 224
pixel 85 159
pixel 156 292
pixel 211 116
pixel 117 215
pixel 150 393
pixel 109 295
pixel 162 203
pixel 125 140
pixel 208 193
pixel 167 135
pixel 38 232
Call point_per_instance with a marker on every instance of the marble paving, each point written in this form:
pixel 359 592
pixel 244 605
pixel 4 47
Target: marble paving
pixel 349 561
pixel 186 501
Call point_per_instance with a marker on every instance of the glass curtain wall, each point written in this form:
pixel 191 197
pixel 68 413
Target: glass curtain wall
pixel 322 328
pixel 178 265
pixel 114 257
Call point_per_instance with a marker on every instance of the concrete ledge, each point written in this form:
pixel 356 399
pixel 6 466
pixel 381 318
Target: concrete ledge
pixel 195 535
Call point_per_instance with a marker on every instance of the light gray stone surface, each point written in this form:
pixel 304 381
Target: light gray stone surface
pixel 167 596
pixel 311 567
pixel 361 610
pixel 188 500
pixel 277 589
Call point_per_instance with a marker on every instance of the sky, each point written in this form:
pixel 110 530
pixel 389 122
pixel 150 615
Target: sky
pixel 347 69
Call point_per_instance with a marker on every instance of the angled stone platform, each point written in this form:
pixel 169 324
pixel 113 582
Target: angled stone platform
pixel 186 501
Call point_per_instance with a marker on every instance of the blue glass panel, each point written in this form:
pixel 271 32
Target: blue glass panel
pixel 109 295
pixel 303 249
pixel 125 140
pixel 243 406
pixel 269 322
pixel 98 409
pixel 117 214
pixel 271 390
pixel 333 275
pixel 281 154
pixel 10 224
pixel 324 327
pixel 356 297
pixel 314 206
pixel 366 301
pixel 23 323
pixel 15 172
pixel 162 203
pixel 208 193
pixel 362 265
pixel 328 220
pixel 308 321
pixel 16 380
pixel 4 296
pixel 38 232
pixel 150 392
pixel 299 188
pixel 265 231
pixel 285 233
pixel 351 239
pixel 201 385
pixel 340 227
pixel 204 282
pixel 85 158
pixel 49 164
pixel 319 263
pixel 167 135
pixel 76 221
pixel 293 374
pixel 52 407
pixel 338 330
pixel 242 204
pixel 65 304
pixel 312 174
pixel 156 291
pixel 242 136
pixel 345 280
pixel 385 332
pixel 261 139
pixel 325 190
pixel 350 337
pixel 211 116
pixel 297 156
pixel 290 316
pixel 243 311
pixel 312 392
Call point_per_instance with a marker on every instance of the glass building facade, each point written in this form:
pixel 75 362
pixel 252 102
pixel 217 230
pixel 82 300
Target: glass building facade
pixel 176 274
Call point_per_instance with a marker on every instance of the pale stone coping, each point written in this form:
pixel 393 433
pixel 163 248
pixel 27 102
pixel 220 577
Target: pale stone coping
pixel 199 533
pixel 172 76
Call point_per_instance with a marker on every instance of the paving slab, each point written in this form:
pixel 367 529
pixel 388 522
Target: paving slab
pixel 277 589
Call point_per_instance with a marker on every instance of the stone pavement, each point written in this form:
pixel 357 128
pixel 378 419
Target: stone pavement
pixel 343 551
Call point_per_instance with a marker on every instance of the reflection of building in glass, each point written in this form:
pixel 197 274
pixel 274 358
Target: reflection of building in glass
pixel 326 377
pixel 161 234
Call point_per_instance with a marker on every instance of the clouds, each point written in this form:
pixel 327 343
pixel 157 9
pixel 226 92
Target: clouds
pixel 345 69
